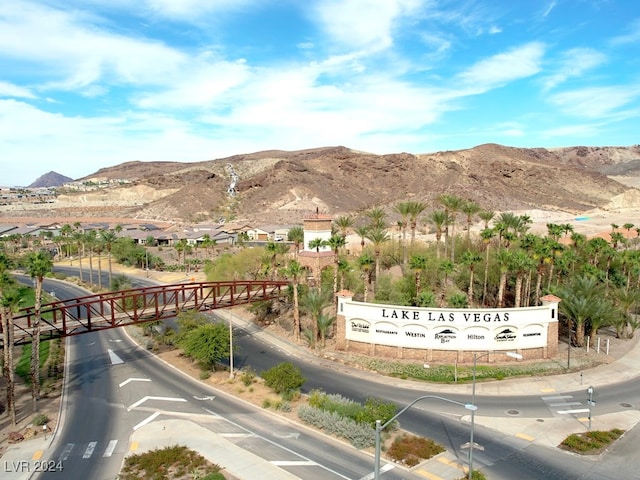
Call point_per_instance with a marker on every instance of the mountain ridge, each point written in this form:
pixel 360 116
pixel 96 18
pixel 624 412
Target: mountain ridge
pixel 277 186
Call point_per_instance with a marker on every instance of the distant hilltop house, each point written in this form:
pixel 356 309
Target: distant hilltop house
pixel 95 184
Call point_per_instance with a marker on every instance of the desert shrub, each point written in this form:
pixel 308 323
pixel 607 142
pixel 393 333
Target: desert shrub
pixel 475 475
pixel 373 409
pixel 247 376
pixel 376 409
pixel 284 377
pixel 40 419
pixel 410 449
pixel 590 442
pixel 358 434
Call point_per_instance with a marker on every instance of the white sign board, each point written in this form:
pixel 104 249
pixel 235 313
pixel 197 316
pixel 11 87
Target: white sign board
pixel 447 329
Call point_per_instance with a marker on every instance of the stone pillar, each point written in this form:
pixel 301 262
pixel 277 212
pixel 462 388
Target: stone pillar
pixel 341 321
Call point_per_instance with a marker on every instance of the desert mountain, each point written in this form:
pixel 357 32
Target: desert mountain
pixel 283 186
pixel 51 179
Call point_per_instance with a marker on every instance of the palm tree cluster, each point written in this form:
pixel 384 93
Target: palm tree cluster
pixel 502 265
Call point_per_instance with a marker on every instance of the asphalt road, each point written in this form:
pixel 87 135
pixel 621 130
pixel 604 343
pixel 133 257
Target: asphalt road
pixel 114 388
pixel 503 457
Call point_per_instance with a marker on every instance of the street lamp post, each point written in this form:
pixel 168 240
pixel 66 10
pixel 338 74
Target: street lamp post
pixel 380 426
pixel 591 403
pixel 473 402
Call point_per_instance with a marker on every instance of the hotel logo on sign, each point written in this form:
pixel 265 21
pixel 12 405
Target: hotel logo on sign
pixel 446 335
pixel 361 327
pixel 506 335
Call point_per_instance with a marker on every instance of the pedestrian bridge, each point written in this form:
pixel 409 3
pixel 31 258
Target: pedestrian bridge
pixel 103 311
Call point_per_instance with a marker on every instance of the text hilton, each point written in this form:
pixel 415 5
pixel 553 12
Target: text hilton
pixel 445 316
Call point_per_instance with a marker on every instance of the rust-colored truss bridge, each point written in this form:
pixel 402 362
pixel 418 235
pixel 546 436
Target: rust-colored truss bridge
pixel 103 311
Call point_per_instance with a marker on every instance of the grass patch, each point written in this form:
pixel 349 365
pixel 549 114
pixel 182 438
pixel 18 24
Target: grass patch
pixel 23 365
pixel 170 463
pixel 591 443
pixel 449 374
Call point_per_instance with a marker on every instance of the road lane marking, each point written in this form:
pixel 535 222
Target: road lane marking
pixel 430 476
pixel 577 410
pixel 525 437
pixel 564 404
pixel 89 451
pixel 37 455
pixel 115 359
pixel 133 447
pixel 110 448
pixel 293 463
pixel 556 397
pixel 66 452
pixel 150 418
pixel 165 399
pixel 128 380
pixel 385 468
pixel 451 463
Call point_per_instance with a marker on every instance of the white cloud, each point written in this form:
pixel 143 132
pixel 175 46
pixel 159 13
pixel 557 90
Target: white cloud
pixel 573 64
pixel 547 10
pixel 582 130
pixel 71 53
pixel 11 90
pixel 595 102
pixel 633 36
pixel 199 86
pixel 500 69
pixel 362 24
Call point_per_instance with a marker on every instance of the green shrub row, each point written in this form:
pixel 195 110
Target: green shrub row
pixel 360 435
pixel 372 410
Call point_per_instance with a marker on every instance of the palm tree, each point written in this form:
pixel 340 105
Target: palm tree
pixel 294 270
pixel 66 233
pixel 503 257
pixel 486 216
pixel 10 298
pixel 377 236
pixel 471 259
pixel 336 242
pixel 296 235
pixel 469 209
pixel 90 241
pixel 452 205
pixel 519 262
pixel 404 209
pixel 362 233
pixel 415 210
pixel 418 263
pixel 376 217
pixel 487 234
pixel 317 243
pixel 582 301
pixel 39 264
pixel 78 237
pixel 439 219
pixel 344 223
pixel 313 303
pixel 366 263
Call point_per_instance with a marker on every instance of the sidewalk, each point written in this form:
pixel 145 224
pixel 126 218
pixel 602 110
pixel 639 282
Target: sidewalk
pixel 549 432
pixel 20 461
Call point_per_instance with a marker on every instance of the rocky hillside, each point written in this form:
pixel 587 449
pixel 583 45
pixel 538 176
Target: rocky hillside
pixel 282 187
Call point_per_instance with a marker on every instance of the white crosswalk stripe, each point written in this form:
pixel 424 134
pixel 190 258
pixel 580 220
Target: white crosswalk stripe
pixel 562 405
pixel 110 448
pixel 89 451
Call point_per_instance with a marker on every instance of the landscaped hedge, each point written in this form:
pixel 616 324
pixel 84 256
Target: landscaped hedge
pixel 360 435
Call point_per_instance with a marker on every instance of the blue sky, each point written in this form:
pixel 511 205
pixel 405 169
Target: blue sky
pixel 86 84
